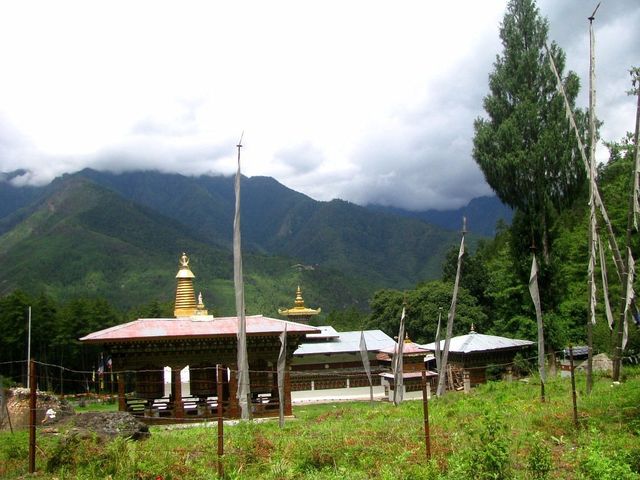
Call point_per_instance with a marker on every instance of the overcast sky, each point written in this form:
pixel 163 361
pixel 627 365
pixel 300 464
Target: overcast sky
pixel 368 101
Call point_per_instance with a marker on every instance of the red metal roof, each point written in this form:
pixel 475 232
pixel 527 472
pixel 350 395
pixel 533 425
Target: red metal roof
pixel 194 327
pixel 407 349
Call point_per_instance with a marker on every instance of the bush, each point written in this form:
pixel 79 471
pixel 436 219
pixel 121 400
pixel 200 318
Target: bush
pixel 14 446
pixel 596 464
pixel 539 463
pixel 491 456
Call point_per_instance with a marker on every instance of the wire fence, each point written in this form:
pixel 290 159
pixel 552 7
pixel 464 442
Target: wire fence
pixel 208 393
pixel 99 380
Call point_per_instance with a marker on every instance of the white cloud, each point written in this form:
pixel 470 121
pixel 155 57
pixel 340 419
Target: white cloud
pixel 363 100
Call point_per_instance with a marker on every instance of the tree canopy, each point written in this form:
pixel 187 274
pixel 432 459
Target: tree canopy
pixel 525 147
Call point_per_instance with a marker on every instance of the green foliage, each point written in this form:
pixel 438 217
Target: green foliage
pixel 598 462
pixel 14 446
pixel 423 308
pixel 495 274
pixel 491 457
pixel 346 320
pixel 526 148
pixel 474 274
pixel 64 454
pixel 483 435
pixel 539 461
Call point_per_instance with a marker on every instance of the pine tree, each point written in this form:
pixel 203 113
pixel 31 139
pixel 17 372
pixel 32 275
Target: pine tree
pixel 525 147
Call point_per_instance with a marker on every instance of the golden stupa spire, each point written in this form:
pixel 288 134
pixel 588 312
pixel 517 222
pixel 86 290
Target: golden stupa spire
pixel 185 294
pixel 299 303
pixel 299 313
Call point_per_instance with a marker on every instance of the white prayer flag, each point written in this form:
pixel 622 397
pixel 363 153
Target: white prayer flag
pixel 244 390
pixel 398 365
pixel 605 285
pixel 636 184
pixel 438 352
pixel 630 296
pixel 364 353
pixel 282 360
pixel 535 296
pixel 592 265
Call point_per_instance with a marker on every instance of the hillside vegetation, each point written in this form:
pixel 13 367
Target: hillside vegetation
pixel 85 240
pixel 494 293
pixel 499 431
pixel 125 229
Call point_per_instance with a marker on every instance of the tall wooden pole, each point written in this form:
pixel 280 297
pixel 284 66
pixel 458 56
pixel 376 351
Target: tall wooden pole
pixel 244 382
pixel 592 207
pixel 29 350
pixel 573 388
pixel 442 382
pixel 425 408
pixel 617 359
pixel 220 421
pixel 32 416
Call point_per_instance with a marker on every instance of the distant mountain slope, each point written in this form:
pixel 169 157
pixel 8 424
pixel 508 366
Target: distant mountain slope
pixel 389 250
pixel 207 203
pixel 132 225
pixel 13 198
pixel 482 214
pixel 85 240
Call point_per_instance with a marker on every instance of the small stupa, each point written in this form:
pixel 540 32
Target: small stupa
pixel 186 305
pixel 299 313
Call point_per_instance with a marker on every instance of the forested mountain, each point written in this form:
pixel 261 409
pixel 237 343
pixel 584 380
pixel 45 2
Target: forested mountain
pixel 387 249
pixel 482 213
pixel 110 220
pixel 83 240
pixel 117 236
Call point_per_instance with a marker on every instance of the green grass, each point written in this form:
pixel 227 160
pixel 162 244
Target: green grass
pixel 96 406
pixel 499 431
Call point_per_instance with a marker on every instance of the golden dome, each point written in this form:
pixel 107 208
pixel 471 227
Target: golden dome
pixel 185 295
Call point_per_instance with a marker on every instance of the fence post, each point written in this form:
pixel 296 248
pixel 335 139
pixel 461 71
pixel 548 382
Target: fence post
pixel 573 388
pixel 32 416
pixel 466 381
pixel 4 409
pixel 425 404
pixel 220 421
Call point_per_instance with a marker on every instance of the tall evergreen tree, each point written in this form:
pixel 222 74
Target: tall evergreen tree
pixel 525 147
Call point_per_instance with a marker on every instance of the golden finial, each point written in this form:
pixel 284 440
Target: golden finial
pixel 299 303
pixel 185 305
pixel 407 339
pixel 299 313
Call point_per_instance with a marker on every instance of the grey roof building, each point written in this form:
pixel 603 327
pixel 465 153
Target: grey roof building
pixel 474 352
pixel 478 342
pixel 332 359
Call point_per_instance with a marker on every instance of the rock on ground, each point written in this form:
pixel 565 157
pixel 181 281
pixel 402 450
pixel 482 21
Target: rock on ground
pixel 108 425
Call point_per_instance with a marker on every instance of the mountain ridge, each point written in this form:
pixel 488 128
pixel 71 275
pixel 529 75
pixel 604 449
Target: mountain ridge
pixel 353 250
pixel 482 214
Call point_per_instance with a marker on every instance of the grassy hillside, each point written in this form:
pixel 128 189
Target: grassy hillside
pixel 499 431
pixel 87 241
pixel 118 236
